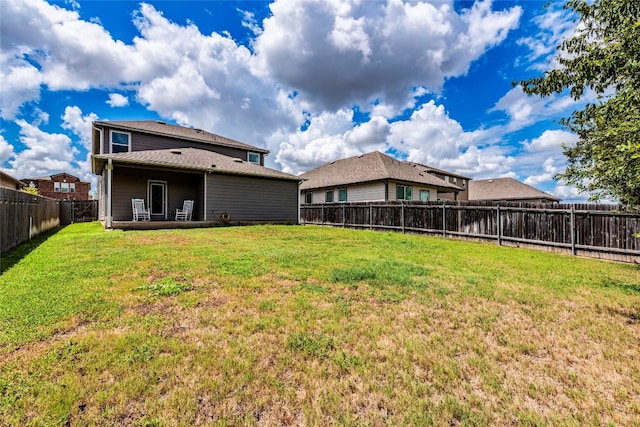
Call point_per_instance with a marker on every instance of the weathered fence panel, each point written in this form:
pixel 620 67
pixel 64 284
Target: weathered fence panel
pixel 583 229
pixel 72 211
pixel 23 216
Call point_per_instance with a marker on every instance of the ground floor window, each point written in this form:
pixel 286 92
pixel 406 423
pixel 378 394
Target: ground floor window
pixel 424 195
pixel 403 192
pixel 308 197
pixel 329 196
pixel 342 195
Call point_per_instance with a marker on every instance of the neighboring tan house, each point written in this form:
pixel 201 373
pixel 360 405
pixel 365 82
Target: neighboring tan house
pixel 7 181
pixel 62 186
pixel 372 177
pixel 453 178
pixel 507 190
pixel 166 164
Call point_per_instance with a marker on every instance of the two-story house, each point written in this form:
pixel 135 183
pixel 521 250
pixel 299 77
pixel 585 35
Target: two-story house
pixel 61 186
pixel 165 164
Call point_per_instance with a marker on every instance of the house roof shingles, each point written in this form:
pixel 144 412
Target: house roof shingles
pixel 505 189
pixel 369 167
pixel 194 159
pixel 180 132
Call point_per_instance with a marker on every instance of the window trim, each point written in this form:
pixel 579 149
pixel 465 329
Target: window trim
pixel 249 153
pixel 111 143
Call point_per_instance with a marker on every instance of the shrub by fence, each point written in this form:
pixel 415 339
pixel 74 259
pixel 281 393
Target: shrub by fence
pixel 23 216
pixel 583 229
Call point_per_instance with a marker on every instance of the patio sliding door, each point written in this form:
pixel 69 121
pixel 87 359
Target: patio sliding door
pixel 158 199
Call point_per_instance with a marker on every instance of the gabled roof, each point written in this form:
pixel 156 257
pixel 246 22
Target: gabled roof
pixel 367 168
pixel 192 159
pixel 180 132
pixel 505 189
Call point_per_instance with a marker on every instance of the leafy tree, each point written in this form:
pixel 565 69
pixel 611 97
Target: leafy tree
pixel 604 56
pixel 31 189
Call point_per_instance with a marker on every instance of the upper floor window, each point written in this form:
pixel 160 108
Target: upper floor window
pixel 342 195
pixel 56 187
pixel 72 187
pixel 253 158
pixel 120 142
pixel 329 196
pixel 65 187
pixel 464 182
pixel 455 180
pixel 403 192
pixel 446 178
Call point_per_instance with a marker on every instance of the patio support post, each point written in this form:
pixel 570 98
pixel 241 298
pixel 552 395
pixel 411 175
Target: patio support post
pixel 109 217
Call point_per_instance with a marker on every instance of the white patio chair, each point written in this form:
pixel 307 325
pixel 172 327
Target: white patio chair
pixel 184 214
pixel 139 212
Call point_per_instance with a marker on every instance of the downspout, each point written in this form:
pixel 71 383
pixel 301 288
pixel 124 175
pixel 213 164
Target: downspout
pixel 204 175
pixel 109 183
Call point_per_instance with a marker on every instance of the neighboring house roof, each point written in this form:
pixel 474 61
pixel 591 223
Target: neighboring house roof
pixel 505 189
pixel 6 179
pixel 175 131
pixel 440 171
pixel 52 177
pixel 192 159
pixel 367 168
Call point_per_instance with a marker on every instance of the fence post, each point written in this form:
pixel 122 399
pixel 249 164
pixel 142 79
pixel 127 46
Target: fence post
pixel 402 218
pixel 370 217
pixel 573 230
pixel 499 226
pixel 444 219
pixel 344 220
pixel 322 214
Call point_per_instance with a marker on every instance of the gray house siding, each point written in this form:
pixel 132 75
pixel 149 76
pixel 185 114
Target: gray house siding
pixel 371 192
pixel 251 199
pixel 143 141
pixel 134 183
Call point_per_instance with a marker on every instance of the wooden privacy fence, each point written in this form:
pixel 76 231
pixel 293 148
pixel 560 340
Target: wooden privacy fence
pixel 582 229
pixel 23 216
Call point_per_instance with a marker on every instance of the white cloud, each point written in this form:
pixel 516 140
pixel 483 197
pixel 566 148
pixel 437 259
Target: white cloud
pixel 117 100
pixel 6 150
pixel 342 53
pixel 524 109
pixel 45 153
pixel 549 170
pixel 554 26
pixel 550 140
pixel 81 126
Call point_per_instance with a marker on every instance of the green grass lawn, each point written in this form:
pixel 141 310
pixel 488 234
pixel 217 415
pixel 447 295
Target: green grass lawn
pixel 303 325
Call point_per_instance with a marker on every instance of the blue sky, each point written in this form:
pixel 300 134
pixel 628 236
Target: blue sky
pixel 311 81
